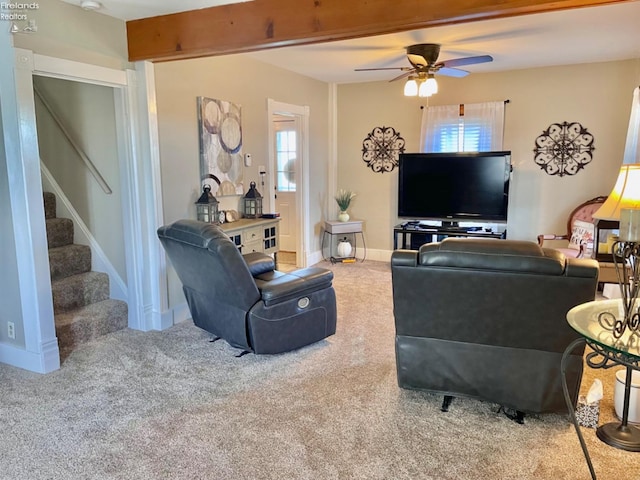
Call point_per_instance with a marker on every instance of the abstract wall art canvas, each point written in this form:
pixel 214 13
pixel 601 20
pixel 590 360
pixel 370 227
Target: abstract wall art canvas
pixel 220 129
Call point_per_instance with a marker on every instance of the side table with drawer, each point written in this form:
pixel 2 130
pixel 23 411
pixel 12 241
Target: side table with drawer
pixel 348 230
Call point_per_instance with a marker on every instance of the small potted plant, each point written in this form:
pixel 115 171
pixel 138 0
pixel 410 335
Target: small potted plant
pixel 343 199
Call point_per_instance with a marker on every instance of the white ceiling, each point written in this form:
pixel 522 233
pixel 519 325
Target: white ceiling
pixel 583 35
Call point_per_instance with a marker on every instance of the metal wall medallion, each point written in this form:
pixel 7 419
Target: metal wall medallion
pixel 564 148
pixel 381 149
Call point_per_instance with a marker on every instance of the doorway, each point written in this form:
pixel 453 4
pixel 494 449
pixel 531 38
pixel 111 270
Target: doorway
pixel 286 143
pixel 288 180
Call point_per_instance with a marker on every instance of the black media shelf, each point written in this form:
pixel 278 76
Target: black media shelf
pixel 412 235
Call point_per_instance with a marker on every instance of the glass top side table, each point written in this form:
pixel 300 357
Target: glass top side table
pixel 595 321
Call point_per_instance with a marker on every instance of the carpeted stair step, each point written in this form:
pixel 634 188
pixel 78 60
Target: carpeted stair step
pixel 49 205
pixel 59 232
pixel 69 260
pixel 79 290
pixel 90 322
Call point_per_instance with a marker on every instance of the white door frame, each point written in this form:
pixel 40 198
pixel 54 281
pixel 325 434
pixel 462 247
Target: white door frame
pixel 147 297
pixel 302 194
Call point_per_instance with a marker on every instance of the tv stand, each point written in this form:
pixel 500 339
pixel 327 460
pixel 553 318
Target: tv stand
pixel 413 234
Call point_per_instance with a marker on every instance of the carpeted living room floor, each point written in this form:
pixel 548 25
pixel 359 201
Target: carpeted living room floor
pixel 171 405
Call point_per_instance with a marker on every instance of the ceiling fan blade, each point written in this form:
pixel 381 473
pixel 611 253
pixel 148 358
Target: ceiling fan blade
pixel 452 72
pixel 404 75
pixel 460 62
pixel 382 68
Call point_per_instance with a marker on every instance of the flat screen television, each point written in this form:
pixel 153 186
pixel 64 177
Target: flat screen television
pixel 454 187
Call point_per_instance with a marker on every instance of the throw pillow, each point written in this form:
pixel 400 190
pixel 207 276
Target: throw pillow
pixel 582 234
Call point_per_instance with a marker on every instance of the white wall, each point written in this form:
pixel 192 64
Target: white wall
pixel 11 310
pixel 596 95
pixel 246 82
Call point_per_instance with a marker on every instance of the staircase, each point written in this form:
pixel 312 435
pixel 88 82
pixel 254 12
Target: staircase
pixel 81 303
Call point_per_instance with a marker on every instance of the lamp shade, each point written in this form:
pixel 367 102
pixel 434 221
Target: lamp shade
pixel 625 194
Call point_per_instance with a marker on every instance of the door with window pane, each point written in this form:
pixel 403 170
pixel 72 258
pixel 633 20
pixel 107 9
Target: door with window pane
pixel 286 156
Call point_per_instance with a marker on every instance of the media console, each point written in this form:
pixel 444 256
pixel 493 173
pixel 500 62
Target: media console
pixel 414 234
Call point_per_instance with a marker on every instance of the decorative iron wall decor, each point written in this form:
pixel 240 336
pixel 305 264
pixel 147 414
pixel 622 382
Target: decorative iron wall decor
pixel 220 129
pixel 381 149
pixel 564 148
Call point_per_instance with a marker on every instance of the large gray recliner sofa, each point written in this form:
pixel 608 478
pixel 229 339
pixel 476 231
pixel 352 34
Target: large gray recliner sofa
pixel 486 319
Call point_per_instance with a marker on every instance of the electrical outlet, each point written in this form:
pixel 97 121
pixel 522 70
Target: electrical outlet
pixel 262 170
pixel 11 330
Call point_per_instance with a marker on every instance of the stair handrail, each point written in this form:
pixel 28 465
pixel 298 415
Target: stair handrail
pixel 87 161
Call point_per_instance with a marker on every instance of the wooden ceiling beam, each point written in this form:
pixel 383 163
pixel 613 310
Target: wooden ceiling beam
pixel 261 24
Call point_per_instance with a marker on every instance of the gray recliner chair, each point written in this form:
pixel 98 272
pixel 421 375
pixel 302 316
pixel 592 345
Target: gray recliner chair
pixel 242 298
pixel 486 319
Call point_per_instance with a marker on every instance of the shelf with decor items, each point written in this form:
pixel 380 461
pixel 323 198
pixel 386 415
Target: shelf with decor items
pixel 254 235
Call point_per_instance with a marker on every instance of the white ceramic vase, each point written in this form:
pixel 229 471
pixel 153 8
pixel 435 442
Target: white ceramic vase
pixel 344 248
pixel 343 216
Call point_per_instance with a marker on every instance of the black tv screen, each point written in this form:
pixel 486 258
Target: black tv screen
pixel 454 186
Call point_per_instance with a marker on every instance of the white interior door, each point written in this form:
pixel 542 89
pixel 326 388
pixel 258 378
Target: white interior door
pixel 287 179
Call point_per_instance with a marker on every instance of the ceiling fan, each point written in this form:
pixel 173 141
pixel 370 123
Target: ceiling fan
pixel 423 58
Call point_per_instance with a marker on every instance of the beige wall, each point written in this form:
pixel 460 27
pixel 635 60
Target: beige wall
pixel 69 32
pixel 596 95
pixel 246 82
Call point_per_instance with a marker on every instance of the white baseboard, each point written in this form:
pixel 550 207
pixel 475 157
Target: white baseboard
pixel 45 361
pixel 371 254
pixel 376 255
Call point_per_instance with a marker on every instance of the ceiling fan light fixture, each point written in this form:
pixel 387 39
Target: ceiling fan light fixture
pixel 424 90
pixel 431 85
pixel 411 87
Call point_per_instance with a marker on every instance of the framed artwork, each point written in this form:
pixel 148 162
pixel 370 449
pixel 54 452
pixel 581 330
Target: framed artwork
pixel 220 134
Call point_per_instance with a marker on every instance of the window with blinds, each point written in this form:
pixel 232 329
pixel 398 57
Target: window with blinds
pixel 465 135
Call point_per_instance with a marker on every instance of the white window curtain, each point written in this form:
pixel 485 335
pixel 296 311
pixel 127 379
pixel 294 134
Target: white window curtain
pixel 439 131
pixel 479 129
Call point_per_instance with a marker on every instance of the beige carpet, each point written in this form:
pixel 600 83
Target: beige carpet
pixel 171 405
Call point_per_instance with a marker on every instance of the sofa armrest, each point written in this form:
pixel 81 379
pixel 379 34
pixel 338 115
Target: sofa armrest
pixel 582 267
pixel 277 287
pixel 259 263
pixel 404 258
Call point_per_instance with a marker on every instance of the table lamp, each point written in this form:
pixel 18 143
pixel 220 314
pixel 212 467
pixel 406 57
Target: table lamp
pixel 606 220
pixel 623 206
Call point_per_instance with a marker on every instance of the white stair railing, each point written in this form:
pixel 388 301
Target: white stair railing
pixel 87 161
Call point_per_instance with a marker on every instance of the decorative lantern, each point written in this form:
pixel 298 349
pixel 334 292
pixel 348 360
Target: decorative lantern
pixel 253 202
pixel 207 206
